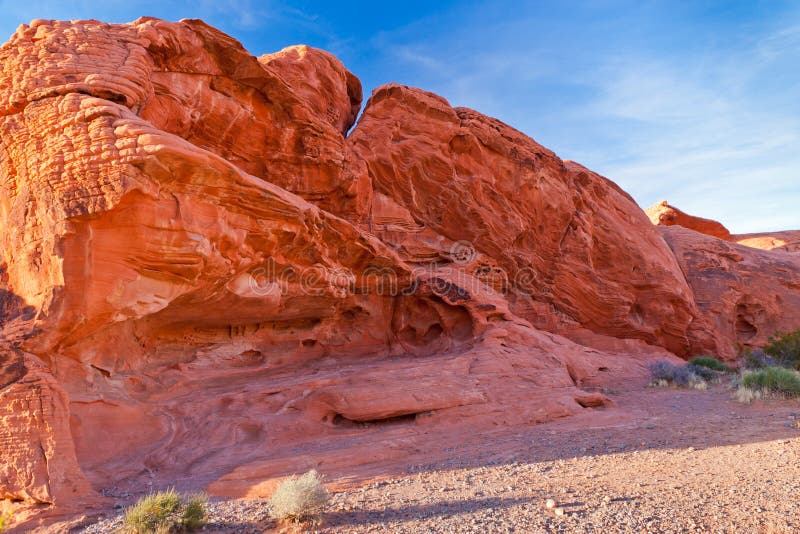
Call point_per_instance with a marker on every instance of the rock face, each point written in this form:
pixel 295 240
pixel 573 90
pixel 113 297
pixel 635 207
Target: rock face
pixel 206 281
pixel 39 462
pixel 787 241
pixel 744 295
pixel 575 247
pixel 662 214
pixel 330 91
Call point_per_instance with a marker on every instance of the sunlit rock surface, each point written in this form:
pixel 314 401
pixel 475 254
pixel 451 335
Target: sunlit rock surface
pixel 211 277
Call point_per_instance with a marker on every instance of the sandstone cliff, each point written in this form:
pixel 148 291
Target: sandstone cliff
pixel 211 277
pixel 744 295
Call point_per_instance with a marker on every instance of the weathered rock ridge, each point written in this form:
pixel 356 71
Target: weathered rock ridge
pixel 210 276
pixel 746 294
pixel 663 214
pixel 576 248
pixel 745 286
pixel 786 241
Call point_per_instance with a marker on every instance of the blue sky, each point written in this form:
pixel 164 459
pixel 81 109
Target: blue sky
pixel 697 102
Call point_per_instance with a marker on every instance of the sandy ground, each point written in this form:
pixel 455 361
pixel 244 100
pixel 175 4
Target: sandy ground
pixel 662 460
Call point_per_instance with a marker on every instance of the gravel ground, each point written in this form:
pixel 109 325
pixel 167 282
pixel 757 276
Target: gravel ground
pixel 664 460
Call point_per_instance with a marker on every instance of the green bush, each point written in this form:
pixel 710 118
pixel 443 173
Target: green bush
pixel 298 499
pixel 709 362
pixel 784 348
pixel 165 512
pixel 774 379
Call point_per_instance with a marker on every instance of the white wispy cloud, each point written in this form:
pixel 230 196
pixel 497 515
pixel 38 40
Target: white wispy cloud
pixel 716 131
pixel 409 54
pixel 704 139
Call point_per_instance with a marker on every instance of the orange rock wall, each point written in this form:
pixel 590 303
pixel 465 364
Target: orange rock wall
pixel 210 278
pixel 745 295
pixel 572 243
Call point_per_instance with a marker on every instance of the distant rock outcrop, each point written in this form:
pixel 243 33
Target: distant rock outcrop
pixel 210 277
pixel 746 295
pixel 662 214
pixel 786 241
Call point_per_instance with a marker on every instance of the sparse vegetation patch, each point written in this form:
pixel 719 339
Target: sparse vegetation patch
pixel 709 362
pixel 166 512
pixel 778 380
pixel 665 373
pixel 299 498
pixel 784 349
pixel 757 359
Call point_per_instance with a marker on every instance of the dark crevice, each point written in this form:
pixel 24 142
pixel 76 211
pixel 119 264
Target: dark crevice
pixel 591 401
pixel 102 371
pixel 12 367
pixel 745 330
pixel 342 421
pixel 361 109
pixel 572 375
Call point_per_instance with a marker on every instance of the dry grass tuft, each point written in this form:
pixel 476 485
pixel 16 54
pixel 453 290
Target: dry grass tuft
pixel 777 380
pixel 746 395
pixel 299 498
pixel 165 512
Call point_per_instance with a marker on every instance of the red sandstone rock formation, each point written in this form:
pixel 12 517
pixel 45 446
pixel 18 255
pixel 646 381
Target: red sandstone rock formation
pixel 204 281
pixel 39 462
pixel 744 295
pixel 787 241
pixel 576 248
pixel 662 214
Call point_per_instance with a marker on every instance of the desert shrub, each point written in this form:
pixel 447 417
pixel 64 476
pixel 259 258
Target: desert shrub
pixel 774 379
pixel 784 348
pixel 299 498
pixel 746 395
pixel 703 372
pixel 663 372
pixel 167 511
pixel 709 362
pixel 194 512
pixel 758 359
